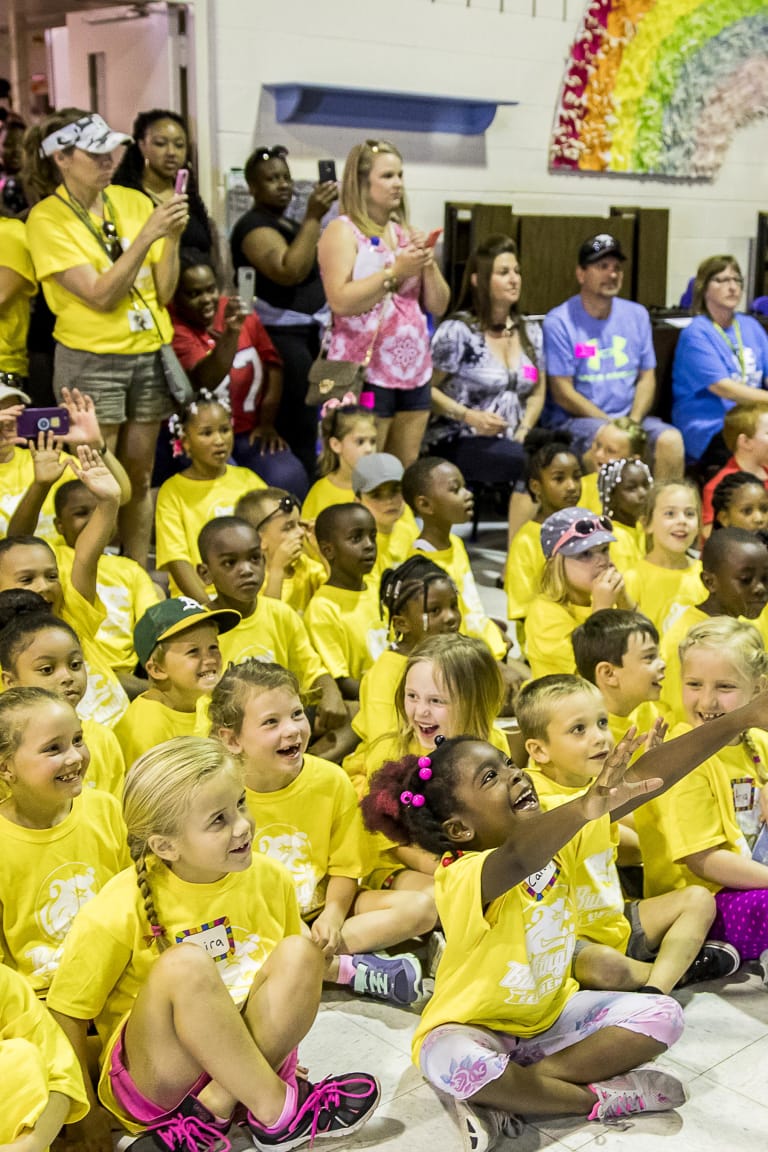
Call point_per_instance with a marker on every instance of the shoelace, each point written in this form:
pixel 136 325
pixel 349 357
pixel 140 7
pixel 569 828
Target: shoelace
pixel 325 1095
pixel 372 980
pixel 192 1133
pixel 621 1104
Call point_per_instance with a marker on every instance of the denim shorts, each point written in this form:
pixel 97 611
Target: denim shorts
pixel 387 402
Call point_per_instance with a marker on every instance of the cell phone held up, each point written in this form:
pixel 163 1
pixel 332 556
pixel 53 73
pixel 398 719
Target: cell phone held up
pixel 246 285
pixel 35 420
pixel 326 171
pixel 182 179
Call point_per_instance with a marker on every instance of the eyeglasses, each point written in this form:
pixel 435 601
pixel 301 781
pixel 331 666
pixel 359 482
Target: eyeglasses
pixel 285 504
pixel 737 280
pixel 581 529
pixel 112 241
pixel 278 152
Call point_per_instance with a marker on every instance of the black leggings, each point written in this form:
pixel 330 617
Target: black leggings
pixel 295 422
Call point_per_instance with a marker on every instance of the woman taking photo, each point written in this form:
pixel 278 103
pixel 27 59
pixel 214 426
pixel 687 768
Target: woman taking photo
pixel 108 263
pixel 380 277
pixel 488 385
pixel 150 163
pixel 721 359
pixel 290 297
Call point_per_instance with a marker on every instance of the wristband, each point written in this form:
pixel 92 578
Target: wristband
pixel 390 282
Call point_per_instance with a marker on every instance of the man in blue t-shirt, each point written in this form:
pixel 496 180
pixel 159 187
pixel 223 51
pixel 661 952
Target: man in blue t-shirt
pixel 600 359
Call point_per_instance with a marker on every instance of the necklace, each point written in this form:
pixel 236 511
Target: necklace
pixel 505 329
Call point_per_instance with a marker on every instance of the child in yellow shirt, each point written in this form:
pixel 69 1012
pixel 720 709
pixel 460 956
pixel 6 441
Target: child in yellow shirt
pixel 343 617
pixel 624 486
pixel 177 642
pixel 667 579
pixel 553 475
pixel 215 1023
pixel 306 816
pixel 42 1080
pixel 233 563
pixel 564 722
pixel 347 432
pixel 578 579
pixel 38 650
pixel 209 487
pixel 291 574
pixel 617 439
pixel 734 571
pixel 377 484
pixel 434 490
pixel 59 843
pixel 702 831
pixel 29 563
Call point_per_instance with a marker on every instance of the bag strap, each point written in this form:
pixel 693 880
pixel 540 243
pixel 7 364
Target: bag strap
pixel 326 338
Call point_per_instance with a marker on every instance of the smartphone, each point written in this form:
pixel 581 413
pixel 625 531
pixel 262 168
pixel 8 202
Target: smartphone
pixel 34 420
pixel 246 284
pixel 326 170
pixel 433 237
pixel 182 179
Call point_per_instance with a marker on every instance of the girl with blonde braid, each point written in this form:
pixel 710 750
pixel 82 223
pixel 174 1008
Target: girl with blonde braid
pixel 188 1033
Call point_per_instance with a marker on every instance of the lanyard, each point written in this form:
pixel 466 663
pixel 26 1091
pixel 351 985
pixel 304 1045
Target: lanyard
pixel 737 348
pixel 85 218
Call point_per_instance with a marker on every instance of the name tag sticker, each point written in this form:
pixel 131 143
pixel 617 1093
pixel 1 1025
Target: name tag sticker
pixel 584 351
pixel 215 939
pixel 538 883
pixel 743 794
pixel 530 372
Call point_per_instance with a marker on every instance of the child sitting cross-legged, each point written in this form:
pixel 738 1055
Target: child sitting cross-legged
pixel 306 816
pixel 233 562
pixel 652 945
pixel 177 641
pixel 343 617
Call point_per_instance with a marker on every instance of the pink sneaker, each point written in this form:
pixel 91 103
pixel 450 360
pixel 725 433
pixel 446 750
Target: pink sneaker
pixel 644 1090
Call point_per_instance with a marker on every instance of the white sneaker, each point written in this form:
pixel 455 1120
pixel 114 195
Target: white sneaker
pixel 763 962
pixel 435 949
pixel 644 1090
pixel 482 1127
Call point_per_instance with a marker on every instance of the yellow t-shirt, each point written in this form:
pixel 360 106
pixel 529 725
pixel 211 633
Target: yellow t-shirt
pixel 695 814
pixel 642 718
pixel 523 571
pixel 299 588
pixel 548 629
pixel 14 316
pixel 377 714
pixel 312 827
pixel 599 898
pixel 662 594
pixel 671 699
pixel 16 475
pixel 507 966
pixel 274 633
pixel 48 874
pixel 392 548
pixel 346 629
pixel 184 506
pixel 106 770
pixel 589 495
pixel 59 240
pixel 455 561
pixel 27 1083
pixel 105 699
pixel 126 592
pixel 629 546
pixel 150 722
pixel 107 959
pixel 323 494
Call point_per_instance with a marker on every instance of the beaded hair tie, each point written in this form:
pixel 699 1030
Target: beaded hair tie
pixel 416 799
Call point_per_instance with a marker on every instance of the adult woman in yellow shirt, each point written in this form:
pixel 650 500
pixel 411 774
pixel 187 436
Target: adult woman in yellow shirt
pixel 108 263
pixel 17 285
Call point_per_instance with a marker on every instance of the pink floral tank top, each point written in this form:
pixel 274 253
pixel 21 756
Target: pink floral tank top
pixel 401 357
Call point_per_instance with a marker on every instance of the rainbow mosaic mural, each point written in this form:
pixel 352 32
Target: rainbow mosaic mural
pixel 659 87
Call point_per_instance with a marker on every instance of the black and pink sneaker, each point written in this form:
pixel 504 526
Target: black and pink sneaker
pixel 191 1128
pixel 334 1107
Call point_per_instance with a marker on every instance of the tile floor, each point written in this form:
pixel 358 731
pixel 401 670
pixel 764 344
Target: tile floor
pixel 722 1057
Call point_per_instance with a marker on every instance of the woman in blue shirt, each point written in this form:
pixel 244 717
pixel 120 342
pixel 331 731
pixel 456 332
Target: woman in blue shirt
pixel 721 359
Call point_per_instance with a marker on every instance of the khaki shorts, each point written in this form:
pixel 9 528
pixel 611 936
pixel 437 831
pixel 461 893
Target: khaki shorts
pixel 638 947
pixel 121 387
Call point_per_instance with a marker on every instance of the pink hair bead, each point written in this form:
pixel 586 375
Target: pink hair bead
pixel 425 773
pixel 418 800
pixel 424 762
pixel 406 797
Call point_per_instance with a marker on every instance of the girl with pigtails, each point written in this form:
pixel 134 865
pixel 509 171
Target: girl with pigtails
pixel 507 1029
pixel 192 964
pixel 208 488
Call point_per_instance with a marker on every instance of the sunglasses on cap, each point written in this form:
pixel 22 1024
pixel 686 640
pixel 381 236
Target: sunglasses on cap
pixel 285 504
pixel 112 241
pixel 278 152
pixel 580 529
